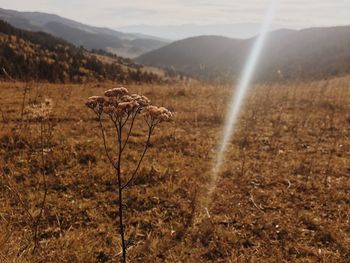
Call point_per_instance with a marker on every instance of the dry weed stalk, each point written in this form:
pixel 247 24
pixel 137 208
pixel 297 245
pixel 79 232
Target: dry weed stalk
pixel 122 108
pixel 42 113
pixel 24 96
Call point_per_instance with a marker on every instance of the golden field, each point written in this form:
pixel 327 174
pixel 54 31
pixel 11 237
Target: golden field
pixel 283 195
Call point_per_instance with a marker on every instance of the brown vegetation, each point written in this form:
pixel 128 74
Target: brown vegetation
pixel 284 194
pixel 26 55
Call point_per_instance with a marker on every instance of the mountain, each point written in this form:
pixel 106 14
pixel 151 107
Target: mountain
pixel 122 44
pixel 308 53
pixel 177 32
pixel 27 55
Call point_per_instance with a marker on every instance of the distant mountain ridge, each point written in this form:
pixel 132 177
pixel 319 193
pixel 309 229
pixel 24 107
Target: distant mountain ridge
pixel 27 55
pixel 122 44
pixel 178 32
pixel 308 53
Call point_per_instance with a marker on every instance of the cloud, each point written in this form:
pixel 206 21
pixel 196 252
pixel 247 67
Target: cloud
pixel 115 13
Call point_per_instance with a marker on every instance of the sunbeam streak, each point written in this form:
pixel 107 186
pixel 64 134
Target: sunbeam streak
pixel 239 96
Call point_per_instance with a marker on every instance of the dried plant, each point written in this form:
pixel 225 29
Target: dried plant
pixel 123 108
pixel 24 96
pixel 42 113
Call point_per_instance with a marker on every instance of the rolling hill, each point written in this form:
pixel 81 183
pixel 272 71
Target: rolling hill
pixel 122 44
pixel 27 55
pixel 177 32
pixel 309 53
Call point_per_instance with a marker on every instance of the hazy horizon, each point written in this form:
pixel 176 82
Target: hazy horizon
pixel 115 14
pixel 177 32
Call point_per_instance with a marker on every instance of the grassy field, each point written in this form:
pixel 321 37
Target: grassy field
pixel 283 195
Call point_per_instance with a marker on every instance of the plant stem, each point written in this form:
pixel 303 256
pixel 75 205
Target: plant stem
pixel 23 103
pixel 37 222
pixel 130 129
pixel 104 140
pixel 143 155
pixel 120 189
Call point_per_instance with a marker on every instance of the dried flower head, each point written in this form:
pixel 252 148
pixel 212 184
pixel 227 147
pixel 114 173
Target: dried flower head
pixel 120 104
pixel 143 101
pixel 41 111
pixel 165 115
pixel 116 92
pixel 128 107
pixel 126 98
pixel 154 114
pixel 96 103
pixel 93 101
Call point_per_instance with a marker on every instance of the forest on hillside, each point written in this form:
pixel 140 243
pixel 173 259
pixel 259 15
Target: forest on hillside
pixel 26 55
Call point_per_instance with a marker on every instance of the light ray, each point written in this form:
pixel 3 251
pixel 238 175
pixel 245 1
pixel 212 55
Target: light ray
pixel 239 96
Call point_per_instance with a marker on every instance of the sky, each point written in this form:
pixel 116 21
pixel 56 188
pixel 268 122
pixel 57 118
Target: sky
pixel 117 13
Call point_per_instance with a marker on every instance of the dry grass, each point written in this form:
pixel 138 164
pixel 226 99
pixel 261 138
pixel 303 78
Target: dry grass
pixel 284 194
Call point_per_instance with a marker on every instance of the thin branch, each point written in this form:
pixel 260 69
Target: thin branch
pixel 19 198
pixel 148 124
pixel 142 156
pixel 37 222
pixel 104 141
pixel 7 75
pixel 257 206
pixel 126 120
pixel 26 88
pixel 116 125
pixel 129 132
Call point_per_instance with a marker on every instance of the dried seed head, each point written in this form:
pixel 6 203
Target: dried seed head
pixel 93 101
pixel 165 115
pixel 120 104
pixel 128 107
pixel 157 114
pixel 143 101
pixel 151 111
pixel 41 111
pixel 116 92
pixel 127 98
pixel 96 103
